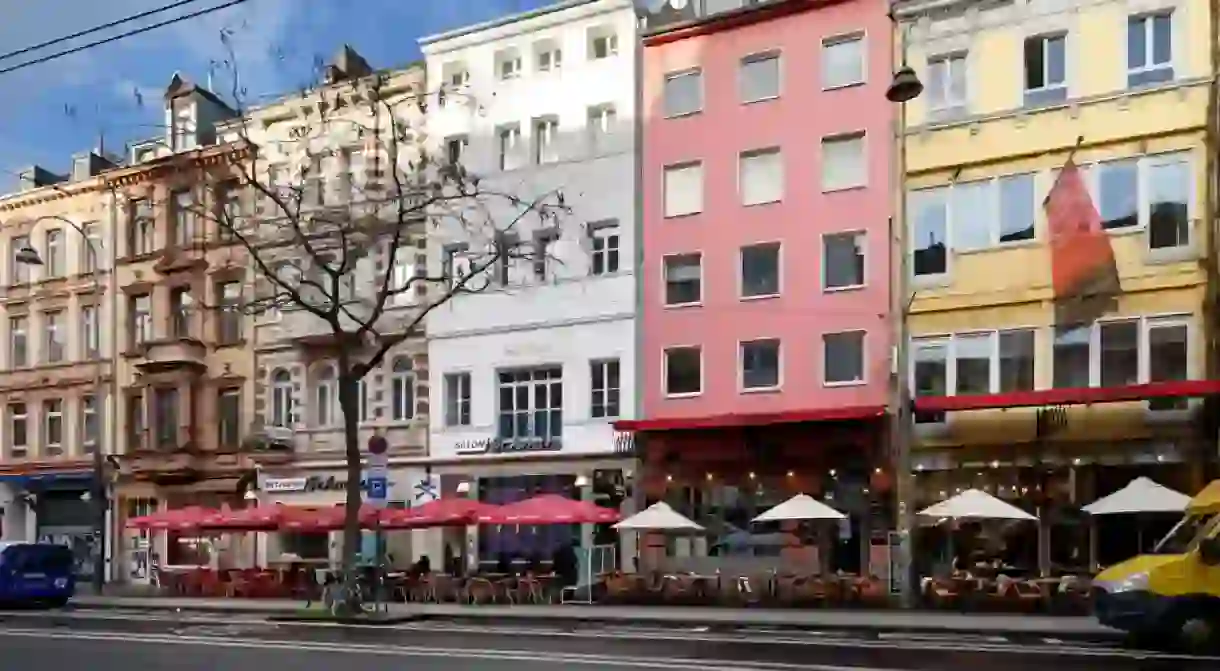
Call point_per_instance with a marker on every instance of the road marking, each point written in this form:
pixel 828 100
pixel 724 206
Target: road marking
pixel 685 664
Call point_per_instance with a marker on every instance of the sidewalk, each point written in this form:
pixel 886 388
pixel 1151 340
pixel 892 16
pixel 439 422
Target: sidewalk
pixel 690 616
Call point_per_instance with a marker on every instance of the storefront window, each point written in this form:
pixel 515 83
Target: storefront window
pixel 310 546
pixel 521 544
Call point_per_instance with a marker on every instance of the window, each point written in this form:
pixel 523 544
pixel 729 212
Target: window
pixel 326 398
pixel 760 365
pixel 140 228
pixel 843 260
pixel 947 83
pixel 605 389
pixel 54 245
pixel 18 433
pixel 843 358
pixel 281 399
pixel 1016 360
pixel 602 45
pixel 228 327
pixel 508 65
pixel 402 390
pixel 1045 69
pixel 505 244
pixel 90 333
pixel 930 359
pixel 402 277
pixel 1120 353
pixel 457 399
pixel 601 126
pixel 1071 357
pixel 184 218
pixel 1017 208
pixel 364 398
pixel 683 189
pixel 603 247
pixel 19 271
pixel 455 148
pixel 1118 193
pixel 55 343
pixel 972 363
pixel 227 208
pixel 546 137
pixel 546 257
pixel 1168 202
pixel 842 61
pixel 509 150
pixel 683 279
pixel 91 249
pixel 683 371
pixel 1168 358
pixel 974 215
pixel 228 413
pixel 18 340
pixel 758 77
pixel 165 415
pixel 53 426
pixel 139 320
pixel 548 57
pixel 180 311
pixel 89 426
pixel 530 405
pixel 683 93
pixel 455 264
pixel 760 176
pixel 760 270
pixel 843 162
pixel 969 211
pixel 135 422
pixel 1149 49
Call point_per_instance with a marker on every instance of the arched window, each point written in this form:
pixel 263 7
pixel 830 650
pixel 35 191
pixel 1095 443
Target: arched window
pixel 402 389
pixel 281 398
pixel 325 397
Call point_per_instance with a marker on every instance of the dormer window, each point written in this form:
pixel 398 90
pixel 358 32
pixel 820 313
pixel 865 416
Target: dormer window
pixel 548 57
pixel 182 125
pixel 603 43
pixel 508 64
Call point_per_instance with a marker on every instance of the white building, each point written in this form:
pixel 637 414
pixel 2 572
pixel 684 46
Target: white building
pixel 528 375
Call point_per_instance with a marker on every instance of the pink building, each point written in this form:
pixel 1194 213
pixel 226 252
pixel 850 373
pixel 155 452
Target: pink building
pixel 766 198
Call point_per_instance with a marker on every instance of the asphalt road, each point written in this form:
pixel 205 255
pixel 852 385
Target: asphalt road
pixel 206 643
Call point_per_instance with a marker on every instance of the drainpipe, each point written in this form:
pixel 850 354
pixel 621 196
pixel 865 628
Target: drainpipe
pixel 1210 440
pixel 112 409
pixel 640 441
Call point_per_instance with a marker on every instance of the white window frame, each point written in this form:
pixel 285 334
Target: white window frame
pixel 944 101
pixel 56 336
pixel 512 59
pixel 554 434
pixel 601 120
pixel 741 366
pixel 862 138
pixel 755 58
pixel 1145 323
pixel 55 253
pixel 1091 173
pixel 605 389
pixel 53 411
pixel 665 279
pixel 950 340
pixel 457 389
pixel 546 139
pixel 864 359
pixel 665 199
pixel 403 379
pixel 90 333
pixel 604 233
pixel 19 327
pixel 1044 39
pixel 92 247
pixel 281 406
pixel 765 154
pixel 665 371
pixel 552 53
pixel 508 148
pixel 13 418
pixel 89 415
pixel 604 38
pixel 860 238
pixel 141 320
pixel 18 272
pixel 779 269
pixel 325 410
pixel 678 74
pixel 1146 18
pixel 861 39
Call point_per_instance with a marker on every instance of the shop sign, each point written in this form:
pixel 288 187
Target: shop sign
pixel 312 483
pixel 506 446
pixel 284 485
pixel 624 442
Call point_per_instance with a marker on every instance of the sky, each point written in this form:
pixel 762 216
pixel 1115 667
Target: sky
pixel 55 109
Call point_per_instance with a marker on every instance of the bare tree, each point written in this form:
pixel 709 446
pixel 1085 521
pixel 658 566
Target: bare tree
pixel 329 212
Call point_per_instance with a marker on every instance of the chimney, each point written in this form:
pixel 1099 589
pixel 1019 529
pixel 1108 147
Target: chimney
pixel 90 164
pixel 37 176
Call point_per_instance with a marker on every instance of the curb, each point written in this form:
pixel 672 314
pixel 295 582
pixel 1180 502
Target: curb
pixel 580 616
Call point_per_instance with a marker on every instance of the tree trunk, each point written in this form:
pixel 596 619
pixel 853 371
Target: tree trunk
pixel 349 404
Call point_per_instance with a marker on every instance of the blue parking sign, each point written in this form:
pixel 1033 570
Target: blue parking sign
pixel 377 488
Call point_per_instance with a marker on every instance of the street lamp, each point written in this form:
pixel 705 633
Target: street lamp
pixel 30 257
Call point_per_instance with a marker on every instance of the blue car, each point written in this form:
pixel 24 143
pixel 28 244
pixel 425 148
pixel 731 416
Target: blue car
pixel 36 573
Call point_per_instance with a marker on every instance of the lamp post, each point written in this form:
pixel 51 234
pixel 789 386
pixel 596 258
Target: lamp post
pixel 904 88
pixel 98 496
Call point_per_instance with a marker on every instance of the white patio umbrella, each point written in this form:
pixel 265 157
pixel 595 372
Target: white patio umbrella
pixel 1141 495
pixel 976 504
pixel 800 507
pixel 658 517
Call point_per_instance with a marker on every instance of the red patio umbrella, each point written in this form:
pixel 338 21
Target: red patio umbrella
pixel 255 518
pixel 439 513
pixel 175 519
pixel 323 518
pixel 549 509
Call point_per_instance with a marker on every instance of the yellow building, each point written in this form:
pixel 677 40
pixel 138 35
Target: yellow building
pixel 1012 90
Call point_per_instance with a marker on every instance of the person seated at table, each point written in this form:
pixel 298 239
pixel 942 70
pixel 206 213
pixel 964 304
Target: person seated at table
pixel 421 567
pixel 566 565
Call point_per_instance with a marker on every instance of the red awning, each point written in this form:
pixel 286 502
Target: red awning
pixel 1073 396
pixel 176 519
pixel 254 518
pixel 549 509
pixel 439 513
pixel 324 518
pixel 752 419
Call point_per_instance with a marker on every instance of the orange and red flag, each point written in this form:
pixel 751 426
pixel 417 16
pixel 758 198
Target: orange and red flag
pixel 1083 271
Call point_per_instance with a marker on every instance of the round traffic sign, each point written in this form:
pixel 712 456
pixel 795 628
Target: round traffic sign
pixel 378 444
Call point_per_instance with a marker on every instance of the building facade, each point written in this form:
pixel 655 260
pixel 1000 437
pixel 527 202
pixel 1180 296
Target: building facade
pixel 766 162
pixel 57 358
pixel 296 386
pixel 1055 415
pixel 184 365
pixel 529 374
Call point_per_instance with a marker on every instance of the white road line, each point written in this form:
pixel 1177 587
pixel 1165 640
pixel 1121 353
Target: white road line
pixel 685 664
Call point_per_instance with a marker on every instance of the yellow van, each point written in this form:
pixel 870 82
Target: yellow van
pixel 1172 594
